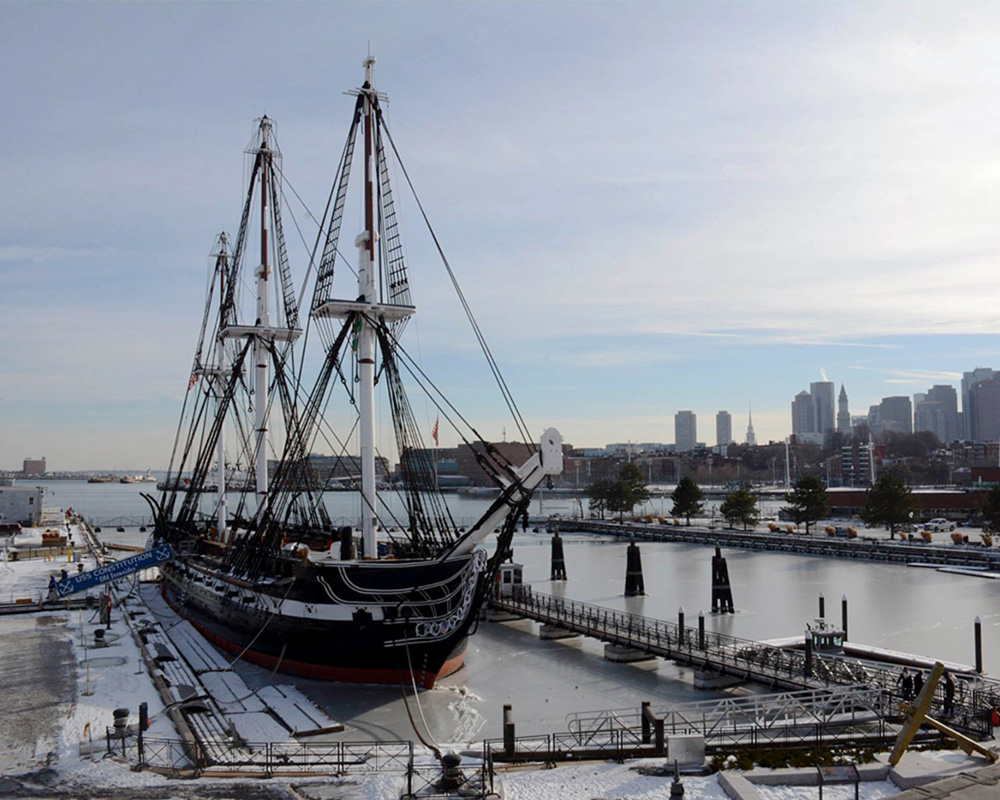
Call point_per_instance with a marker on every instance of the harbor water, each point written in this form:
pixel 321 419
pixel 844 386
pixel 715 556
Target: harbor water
pixel 919 611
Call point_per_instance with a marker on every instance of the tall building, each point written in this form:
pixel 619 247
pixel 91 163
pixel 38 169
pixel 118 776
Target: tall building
pixel 937 411
pixel 970 379
pixel 723 428
pixel 34 466
pixel 843 413
pixel 983 412
pixel 897 414
pixel 685 431
pixel 822 397
pixel 751 437
pixel 803 414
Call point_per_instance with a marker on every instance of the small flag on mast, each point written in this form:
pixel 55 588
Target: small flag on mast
pixel 434 431
pixel 193 381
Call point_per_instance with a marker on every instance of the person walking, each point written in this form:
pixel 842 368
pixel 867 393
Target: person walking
pixel 918 683
pixel 905 683
pixel 949 693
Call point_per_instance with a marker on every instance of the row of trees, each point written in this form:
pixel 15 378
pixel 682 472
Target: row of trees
pixel 888 503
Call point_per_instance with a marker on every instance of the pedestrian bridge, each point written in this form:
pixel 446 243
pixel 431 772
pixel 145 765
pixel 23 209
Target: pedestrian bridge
pixel 741 658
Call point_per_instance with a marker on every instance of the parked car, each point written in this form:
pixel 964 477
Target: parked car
pixel 939 524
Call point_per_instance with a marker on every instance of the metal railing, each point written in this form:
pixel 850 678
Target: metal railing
pixel 266 758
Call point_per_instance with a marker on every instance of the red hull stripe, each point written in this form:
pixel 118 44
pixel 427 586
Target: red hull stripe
pixel 324 672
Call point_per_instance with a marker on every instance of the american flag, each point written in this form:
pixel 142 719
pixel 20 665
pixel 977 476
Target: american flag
pixel 193 381
pixel 434 431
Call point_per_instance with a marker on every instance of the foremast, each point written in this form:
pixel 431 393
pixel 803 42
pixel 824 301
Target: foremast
pixel 263 333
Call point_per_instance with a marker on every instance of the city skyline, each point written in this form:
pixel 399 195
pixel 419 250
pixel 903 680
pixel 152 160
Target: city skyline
pixel 793 189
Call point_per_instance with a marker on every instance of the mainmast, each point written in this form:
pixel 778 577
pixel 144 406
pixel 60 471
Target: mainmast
pixel 368 293
pixel 369 309
pixel 260 353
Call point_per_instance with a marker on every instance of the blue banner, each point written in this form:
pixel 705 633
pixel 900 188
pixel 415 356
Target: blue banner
pixel 112 572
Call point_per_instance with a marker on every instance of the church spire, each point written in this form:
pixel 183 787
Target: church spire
pixel 751 438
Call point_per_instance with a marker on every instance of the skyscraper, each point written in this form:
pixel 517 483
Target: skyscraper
pixel 751 437
pixel 803 414
pixel 983 414
pixel 970 379
pixel 897 414
pixel 822 397
pixel 685 431
pixel 843 413
pixel 723 428
pixel 938 413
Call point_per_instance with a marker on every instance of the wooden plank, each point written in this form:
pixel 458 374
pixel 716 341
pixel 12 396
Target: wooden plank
pixel 297 711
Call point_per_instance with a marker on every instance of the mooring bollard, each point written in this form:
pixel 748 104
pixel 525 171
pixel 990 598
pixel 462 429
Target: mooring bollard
pixel 979 646
pixel 701 630
pixel 680 625
pixel 558 572
pixel 634 584
pixel 722 592
pixel 843 615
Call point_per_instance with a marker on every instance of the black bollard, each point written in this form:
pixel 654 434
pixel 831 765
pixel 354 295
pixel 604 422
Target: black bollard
pixel 843 615
pixel 680 625
pixel 558 559
pixel 633 570
pixel 722 593
pixel 701 630
pixel 822 606
pixel 979 646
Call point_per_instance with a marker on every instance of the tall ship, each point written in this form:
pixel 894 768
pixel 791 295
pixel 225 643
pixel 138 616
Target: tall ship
pixel 266 572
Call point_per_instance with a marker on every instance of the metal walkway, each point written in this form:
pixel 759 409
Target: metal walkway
pixel 787 718
pixel 741 658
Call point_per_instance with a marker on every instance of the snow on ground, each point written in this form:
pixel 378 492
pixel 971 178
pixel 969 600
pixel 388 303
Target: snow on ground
pixel 869 790
pixel 598 779
pixel 29 578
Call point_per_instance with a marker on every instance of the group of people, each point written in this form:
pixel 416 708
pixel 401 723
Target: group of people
pixel 911 684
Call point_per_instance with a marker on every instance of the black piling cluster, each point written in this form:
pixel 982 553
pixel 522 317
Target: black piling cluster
pixel 634 584
pixel 558 559
pixel 722 592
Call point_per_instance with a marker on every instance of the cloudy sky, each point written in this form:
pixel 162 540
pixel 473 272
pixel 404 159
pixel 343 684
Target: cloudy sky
pixel 651 207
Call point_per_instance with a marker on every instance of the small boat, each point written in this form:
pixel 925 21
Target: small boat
pixel 826 638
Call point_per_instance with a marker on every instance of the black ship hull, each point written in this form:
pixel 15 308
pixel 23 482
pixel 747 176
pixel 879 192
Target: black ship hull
pixel 374 622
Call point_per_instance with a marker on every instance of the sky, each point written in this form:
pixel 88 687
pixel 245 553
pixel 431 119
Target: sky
pixel 650 206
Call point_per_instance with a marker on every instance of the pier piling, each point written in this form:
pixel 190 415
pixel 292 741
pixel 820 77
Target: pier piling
pixel 822 606
pixel 701 630
pixel 634 584
pixel 979 646
pixel 722 592
pixel 509 739
pixel 680 625
pixel 843 615
pixel 558 572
